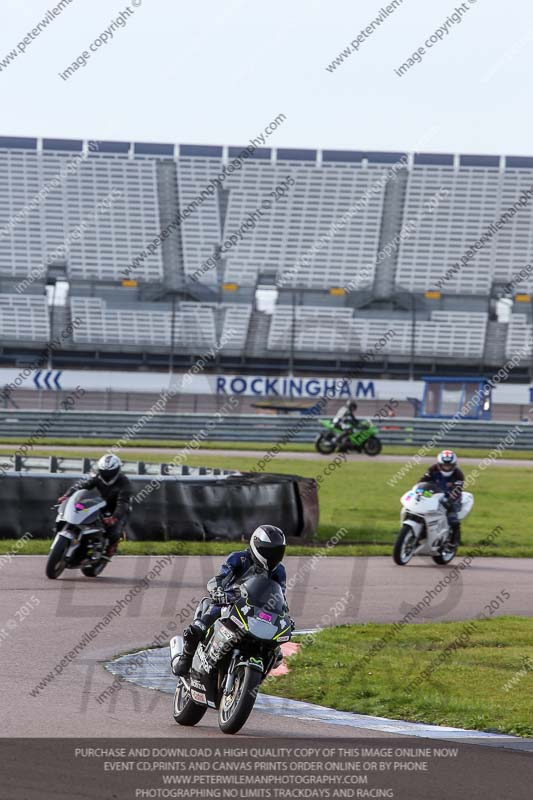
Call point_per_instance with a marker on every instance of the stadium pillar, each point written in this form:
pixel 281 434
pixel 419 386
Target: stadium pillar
pixel 172 335
pixel 293 333
pixel 413 338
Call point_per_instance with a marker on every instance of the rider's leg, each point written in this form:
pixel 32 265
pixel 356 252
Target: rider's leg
pixel 194 634
pixel 455 525
pixel 114 535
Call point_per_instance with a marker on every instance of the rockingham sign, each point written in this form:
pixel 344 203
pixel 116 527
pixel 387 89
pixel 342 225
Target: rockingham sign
pixel 259 386
pixel 264 386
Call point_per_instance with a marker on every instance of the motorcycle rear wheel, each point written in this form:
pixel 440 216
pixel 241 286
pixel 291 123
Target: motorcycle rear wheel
pixel 56 560
pixel 185 710
pixel 325 444
pixel 404 546
pixel 372 446
pixel 235 709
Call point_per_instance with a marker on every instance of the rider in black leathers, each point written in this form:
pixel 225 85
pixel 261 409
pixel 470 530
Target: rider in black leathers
pixel 116 489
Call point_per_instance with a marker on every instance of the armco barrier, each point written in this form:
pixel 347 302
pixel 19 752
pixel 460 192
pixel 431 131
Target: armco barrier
pixel 176 508
pixel 248 427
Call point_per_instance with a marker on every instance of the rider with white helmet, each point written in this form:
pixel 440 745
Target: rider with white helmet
pixel 450 480
pixel 115 488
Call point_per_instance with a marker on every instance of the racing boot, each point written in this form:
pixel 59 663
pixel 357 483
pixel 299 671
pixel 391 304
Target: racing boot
pixel 191 636
pixel 455 535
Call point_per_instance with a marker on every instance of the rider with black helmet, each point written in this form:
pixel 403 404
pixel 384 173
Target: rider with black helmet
pixel 115 488
pixel 264 554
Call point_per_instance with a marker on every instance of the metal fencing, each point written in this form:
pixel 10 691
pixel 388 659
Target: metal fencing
pixel 26 425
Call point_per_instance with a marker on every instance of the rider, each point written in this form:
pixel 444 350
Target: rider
pixel 264 554
pixel 115 488
pixel 450 480
pixel 345 416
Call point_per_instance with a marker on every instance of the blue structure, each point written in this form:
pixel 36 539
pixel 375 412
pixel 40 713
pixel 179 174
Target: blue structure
pixel 445 397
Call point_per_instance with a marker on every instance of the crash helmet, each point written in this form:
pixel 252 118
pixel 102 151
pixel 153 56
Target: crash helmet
pixel 108 468
pixel 447 461
pixel 267 546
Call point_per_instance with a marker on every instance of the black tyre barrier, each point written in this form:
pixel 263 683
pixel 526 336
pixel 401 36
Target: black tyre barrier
pixel 165 507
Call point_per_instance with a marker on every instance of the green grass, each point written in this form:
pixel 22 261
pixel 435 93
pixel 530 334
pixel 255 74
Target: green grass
pixel 357 497
pixel 465 691
pixel 40 547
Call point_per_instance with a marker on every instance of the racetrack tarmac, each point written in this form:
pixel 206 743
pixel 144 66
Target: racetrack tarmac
pixel 60 612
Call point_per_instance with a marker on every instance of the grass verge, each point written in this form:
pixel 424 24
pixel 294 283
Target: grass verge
pixel 40 547
pixel 363 497
pixel 485 684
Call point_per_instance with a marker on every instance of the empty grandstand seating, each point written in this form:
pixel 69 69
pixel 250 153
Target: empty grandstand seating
pixel 325 231
pixel 445 335
pixel 315 328
pixel 24 317
pixel 444 235
pixel 53 207
pixel 519 336
pixel 196 324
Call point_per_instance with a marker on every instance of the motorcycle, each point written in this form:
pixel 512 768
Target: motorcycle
pixel 425 529
pixel 81 537
pixel 239 651
pixel 361 439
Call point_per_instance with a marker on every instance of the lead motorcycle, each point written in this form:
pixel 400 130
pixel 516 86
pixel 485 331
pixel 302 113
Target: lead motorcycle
pixel 425 528
pixel 239 651
pixel 81 537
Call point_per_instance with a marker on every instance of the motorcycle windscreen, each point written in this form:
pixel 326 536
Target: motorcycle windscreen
pixel 427 488
pixel 83 507
pixel 261 629
pixel 264 593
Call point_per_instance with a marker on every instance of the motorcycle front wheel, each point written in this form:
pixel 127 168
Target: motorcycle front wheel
pixel 372 446
pixel 235 708
pixel 404 546
pixel 325 443
pixel 56 560
pixel 186 711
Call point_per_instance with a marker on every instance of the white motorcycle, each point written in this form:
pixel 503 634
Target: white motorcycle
pixel 81 537
pixel 425 529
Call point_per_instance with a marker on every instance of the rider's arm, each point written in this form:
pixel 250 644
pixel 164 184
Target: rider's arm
pixel 88 483
pixel 123 506
pixel 227 573
pixel 456 487
pixel 280 576
pixel 427 476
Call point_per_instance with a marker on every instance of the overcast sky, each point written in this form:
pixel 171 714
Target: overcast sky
pixel 217 72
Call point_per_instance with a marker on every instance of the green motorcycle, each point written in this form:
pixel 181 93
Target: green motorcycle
pixel 363 439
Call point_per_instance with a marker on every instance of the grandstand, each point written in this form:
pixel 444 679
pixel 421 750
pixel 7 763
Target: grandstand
pixel 162 251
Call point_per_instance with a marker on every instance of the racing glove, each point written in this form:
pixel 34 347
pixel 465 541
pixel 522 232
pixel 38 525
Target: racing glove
pixel 110 521
pixel 62 499
pixel 218 596
pixel 233 594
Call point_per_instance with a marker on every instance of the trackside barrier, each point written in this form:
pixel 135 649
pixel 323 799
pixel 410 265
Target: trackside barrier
pixel 177 507
pixel 251 427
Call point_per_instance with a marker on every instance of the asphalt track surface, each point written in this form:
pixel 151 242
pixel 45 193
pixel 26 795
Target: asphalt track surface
pixel 67 608
pixel 258 454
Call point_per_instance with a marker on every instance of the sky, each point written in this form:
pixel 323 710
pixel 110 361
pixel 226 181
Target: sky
pixel 208 72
